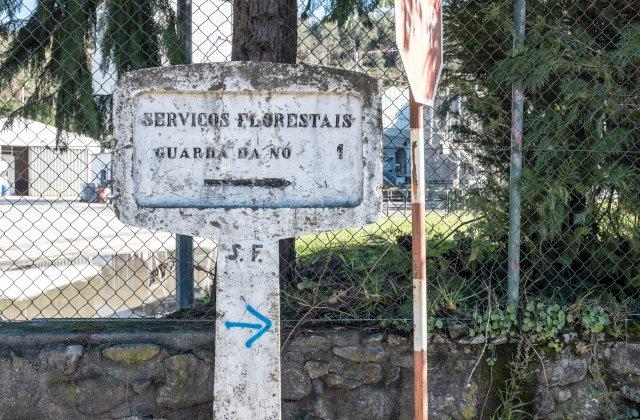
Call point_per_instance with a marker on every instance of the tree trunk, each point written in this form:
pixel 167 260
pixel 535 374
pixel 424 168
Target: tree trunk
pixel 264 30
pixel 267 30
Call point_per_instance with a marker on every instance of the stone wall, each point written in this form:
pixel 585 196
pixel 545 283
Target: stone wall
pixel 165 370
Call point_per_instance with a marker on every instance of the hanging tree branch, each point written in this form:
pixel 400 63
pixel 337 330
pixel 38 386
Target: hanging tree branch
pixel 56 41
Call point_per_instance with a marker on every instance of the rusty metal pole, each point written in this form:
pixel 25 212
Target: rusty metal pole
pixel 419 252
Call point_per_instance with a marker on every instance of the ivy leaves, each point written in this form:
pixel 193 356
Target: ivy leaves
pixel 542 322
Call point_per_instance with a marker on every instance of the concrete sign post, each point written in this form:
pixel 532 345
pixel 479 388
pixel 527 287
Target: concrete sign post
pixel 247 153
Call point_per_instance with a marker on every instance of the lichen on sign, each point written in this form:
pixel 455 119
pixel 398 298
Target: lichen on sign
pixel 247 153
pixel 200 147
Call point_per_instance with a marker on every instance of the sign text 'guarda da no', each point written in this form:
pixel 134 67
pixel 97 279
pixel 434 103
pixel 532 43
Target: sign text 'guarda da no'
pixel 249 149
pixel 247 154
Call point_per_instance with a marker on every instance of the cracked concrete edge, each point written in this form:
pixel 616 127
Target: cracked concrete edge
pixel 242 77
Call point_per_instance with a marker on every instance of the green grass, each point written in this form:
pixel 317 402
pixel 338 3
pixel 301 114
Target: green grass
pixel 364 273
pixel 384 230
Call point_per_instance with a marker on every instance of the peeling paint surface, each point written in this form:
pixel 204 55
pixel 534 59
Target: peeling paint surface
pixel 254 149
pixel 330 180
pixel 247 377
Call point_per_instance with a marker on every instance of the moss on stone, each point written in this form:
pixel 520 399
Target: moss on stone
pixel 65 393
pixel 469 402
pixel 131 353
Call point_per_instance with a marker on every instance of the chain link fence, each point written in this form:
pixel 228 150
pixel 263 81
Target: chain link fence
pixel 64 254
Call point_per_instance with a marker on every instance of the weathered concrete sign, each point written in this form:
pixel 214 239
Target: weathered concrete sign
pixel 247 153
pixel 272 150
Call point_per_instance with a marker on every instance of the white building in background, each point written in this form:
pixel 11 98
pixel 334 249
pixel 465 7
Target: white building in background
pixel 37 168
pixel 447 166
pixel 395 123
pixel 7 174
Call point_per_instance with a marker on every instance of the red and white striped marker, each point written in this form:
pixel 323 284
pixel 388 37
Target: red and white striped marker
pixel 419 253
pixel 419 40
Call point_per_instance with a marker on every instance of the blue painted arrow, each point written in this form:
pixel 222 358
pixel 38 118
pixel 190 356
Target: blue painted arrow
pixel 264 327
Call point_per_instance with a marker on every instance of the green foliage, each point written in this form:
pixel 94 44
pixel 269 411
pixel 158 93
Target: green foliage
pixel 627 413
pixel 496 323
pixel 343 11
pixel 434 323
pixel 545 322
pixel 7 107
pixel 52 45
pixel 594 320
pixel 353 45
pixel 580 69
pixel 510 407
pixel 369 282
pixel 55 42
pixel 138 34
pixel 365 274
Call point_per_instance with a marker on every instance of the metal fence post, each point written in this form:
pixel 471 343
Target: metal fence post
pixel 184 22
pixel 184 271
pixel 515 206
pixel 184 244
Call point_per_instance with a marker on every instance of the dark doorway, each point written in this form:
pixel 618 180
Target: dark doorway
pixel 401 162
pixel 21 154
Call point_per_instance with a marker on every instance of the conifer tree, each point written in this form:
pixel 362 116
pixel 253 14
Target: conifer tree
pixel 581 179
pixel 54 43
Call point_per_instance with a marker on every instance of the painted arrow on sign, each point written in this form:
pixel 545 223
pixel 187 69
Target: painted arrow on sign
pixel 263 328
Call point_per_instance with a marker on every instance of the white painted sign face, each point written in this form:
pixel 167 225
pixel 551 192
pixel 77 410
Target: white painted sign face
pixel 254 149
pixel 232 148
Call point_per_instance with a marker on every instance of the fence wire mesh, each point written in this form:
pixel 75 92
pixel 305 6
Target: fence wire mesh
pixel 64 254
